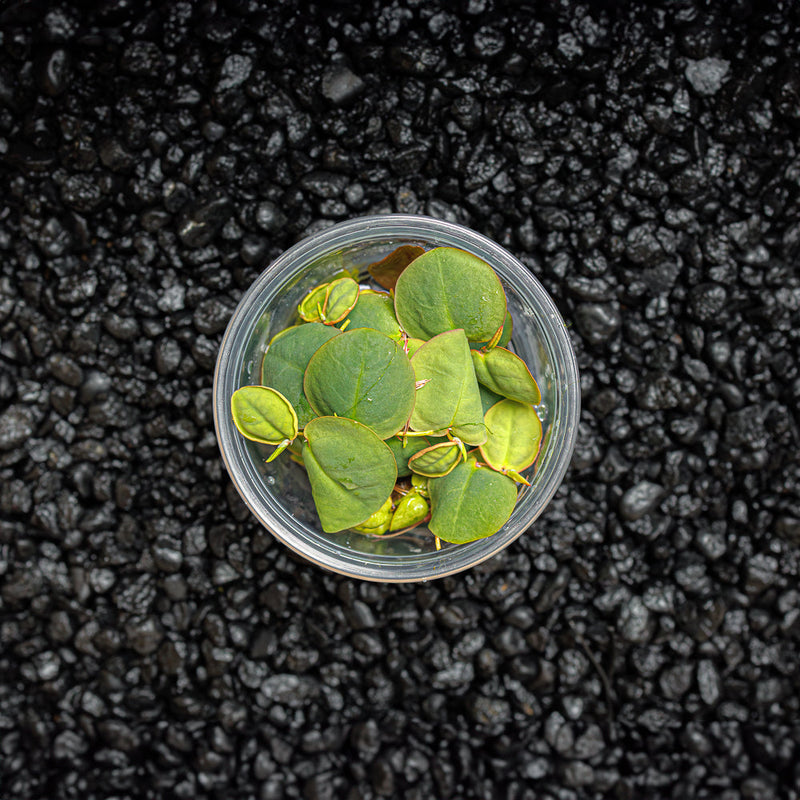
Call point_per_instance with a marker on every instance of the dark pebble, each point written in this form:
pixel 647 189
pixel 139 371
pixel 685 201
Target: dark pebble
pixel 640 500
pixel 81 193
pixel 577 774
pixel 707 301
pixel 322 184
pixel 135 595
pixel 597 323
pixel 707 75
pixel 167 356
pixel 60 627
pixel 21 586
pixel 66 370
pixel 340 85
pixel 489 712
pixel 635 622
pixel 590 743
pixel 16 426
pixel 235 70
pixel 488 42
pixel 708 682
pixel 762 572
pixel 55 72
pixel 123 328
pixel 269 217
pixel 142 59
pixel 211 316
pixel 289 690
pixel 119 735
pixel 115 156
pixel 382 779
pixel 203 221
pixel 360 616
pixel 69 746
pixel 144 635
pixel 676 681
pixel 365 737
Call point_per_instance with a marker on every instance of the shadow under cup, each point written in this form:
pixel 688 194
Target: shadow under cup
pixel 279 493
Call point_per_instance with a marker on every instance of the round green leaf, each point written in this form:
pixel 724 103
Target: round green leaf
pixel 263 415
pixel 447 288
pixel 514 435
pixel 450 397
pixel 436 460
pixel 312 305
pixel 506 374
pixel 365 376
pixel 503 339
pixel 351 471
pixel 330 302
pixel 411 510
pixel 342 297
pixel 373 310
pixel 470 503
pixel 386 272
pixel 285 363
pixel 402 452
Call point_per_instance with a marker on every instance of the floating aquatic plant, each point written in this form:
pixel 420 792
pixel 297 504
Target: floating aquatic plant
pixel 404 406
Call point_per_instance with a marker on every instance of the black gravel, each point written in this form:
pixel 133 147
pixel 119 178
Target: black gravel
pixel 642 641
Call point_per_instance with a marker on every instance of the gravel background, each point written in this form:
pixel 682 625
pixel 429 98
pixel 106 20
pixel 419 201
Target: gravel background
pixel 642 642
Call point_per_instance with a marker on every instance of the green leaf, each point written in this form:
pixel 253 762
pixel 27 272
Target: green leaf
pixel 374 310
pixel 351 470
pixel 436 460
pixel 342 297
pixel 362 375
pixel 503 340
pixel 447 288
pixel 450 398
pixel 263 415
pixel 488 398
pixel 470 503
pixel 412 345
pixel 514 435
pixel 386 272
pixel 472 433
pixel 329 303
pixel 312 305
pixel 506 374
pixel 285 363
pixel 402 452
pixel 411 510
pixel 378 523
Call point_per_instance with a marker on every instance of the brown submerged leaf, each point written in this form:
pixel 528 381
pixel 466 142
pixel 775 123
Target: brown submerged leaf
pixel 386 272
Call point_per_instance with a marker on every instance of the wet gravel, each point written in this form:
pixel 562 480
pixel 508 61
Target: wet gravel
pixel 642 641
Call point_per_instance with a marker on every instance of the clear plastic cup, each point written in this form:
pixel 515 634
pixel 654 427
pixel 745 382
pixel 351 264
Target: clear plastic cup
pixel 279 494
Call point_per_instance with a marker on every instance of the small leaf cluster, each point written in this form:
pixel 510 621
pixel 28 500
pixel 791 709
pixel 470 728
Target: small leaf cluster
pixel 404 405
